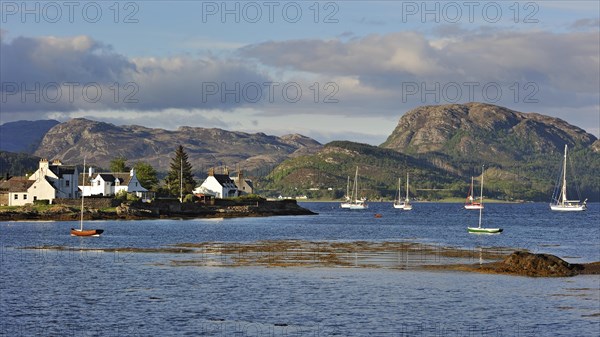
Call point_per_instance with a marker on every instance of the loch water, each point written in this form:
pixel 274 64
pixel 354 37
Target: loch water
pixel 50 292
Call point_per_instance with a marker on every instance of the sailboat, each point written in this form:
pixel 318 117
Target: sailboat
pixel 346 204
pixel 479 229
pixel 405 205
pixel 471 203
pixel 355 202
pixel 560 201
pixel 81 231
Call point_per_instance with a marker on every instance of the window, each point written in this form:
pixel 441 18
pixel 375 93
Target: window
pixel 98 182
pixel 67 183
pixel 24 196
pixel 16 197
pixel 34 198
pixel 135 184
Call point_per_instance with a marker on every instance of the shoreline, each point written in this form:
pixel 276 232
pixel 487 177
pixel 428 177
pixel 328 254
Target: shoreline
pixel 156 210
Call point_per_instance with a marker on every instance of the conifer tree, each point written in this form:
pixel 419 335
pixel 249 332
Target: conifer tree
pixel 180 168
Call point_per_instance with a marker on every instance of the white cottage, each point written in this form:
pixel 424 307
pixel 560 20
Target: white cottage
pixel 108 184
pixel 219 185
pixel 54 180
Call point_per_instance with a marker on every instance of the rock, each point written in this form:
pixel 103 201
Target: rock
pixel 529 264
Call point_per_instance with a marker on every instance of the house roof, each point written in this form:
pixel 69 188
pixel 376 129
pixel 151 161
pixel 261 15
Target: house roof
pixel 223 179
pixel 61 170
pixel 16 185
pixel 123 177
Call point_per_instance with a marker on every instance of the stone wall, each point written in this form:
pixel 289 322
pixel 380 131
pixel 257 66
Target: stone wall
pixel 89 202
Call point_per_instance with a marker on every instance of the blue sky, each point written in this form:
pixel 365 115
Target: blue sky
pixel 359 65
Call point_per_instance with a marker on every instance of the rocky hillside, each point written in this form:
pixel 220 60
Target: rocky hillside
pixel 522 150
pixel 379 170
pixel 448 144
pixel 100 142
pixel 485 132
pixel 23 136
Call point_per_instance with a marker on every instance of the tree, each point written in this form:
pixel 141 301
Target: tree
pixel 118 165
pixel 180 167
pixel 146 174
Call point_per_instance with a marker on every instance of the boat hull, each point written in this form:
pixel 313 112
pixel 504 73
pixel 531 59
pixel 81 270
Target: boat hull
pixel 86 232
pixel 481 230
pixel 358 206
pixel 403 206
pixel 568 208
pixel 474 206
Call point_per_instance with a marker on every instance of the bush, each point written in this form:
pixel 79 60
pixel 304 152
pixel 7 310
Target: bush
pixel 41 202
pixel 189 198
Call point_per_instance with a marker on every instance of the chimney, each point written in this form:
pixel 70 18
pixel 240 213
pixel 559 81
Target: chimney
pixel 44 163
pixel 56 162
pixel 211 172
pixel 90 171
pixel 226 171
pixel 131 173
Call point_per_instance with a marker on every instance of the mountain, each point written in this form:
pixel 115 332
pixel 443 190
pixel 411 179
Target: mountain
pixel 485 132
pixel 101 142
pixel 379 169
pixel 23 136
pixel 522 153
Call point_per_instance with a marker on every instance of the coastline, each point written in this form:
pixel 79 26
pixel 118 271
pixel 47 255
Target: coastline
pixel 155 210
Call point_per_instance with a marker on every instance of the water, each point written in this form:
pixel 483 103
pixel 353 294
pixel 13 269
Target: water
pixel 94 293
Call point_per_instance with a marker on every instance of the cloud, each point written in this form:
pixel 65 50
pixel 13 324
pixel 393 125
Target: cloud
pixel 45 74
pixel 585 24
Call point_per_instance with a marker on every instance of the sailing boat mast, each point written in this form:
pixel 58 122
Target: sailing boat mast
pixel 82 194
pixel 407 200
pixel 355 192
pixel 481 195
pixel 564 180
pixel 348 197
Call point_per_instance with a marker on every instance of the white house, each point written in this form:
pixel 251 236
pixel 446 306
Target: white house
pixel 108 184
pixel 48 182
pixel 219 185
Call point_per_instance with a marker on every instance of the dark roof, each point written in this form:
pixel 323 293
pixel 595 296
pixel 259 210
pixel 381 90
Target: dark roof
pixel 223 179
pixel 123 177
pixel 107 177
pixel 16 185
pixel 61 170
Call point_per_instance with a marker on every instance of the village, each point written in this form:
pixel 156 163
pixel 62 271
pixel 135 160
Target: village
pixel 55 183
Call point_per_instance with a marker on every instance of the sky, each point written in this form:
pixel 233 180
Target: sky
pixel 331 70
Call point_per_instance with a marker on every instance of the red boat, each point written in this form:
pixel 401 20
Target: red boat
pixel 81 231
pixel 86 232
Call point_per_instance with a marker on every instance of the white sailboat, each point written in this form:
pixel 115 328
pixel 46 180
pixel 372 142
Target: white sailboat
pixel 479 229
pixel 560 202
pixel 355 202
pixel 471 203
pixel 346 204
pixel 405 205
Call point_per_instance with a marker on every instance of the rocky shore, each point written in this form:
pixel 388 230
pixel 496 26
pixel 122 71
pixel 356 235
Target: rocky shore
pixel 359 254
pixel 157 210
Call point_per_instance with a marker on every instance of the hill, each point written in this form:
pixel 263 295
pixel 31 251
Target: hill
pixel 448 144
pixel 379 170
pixel 24 136
pixel 100 142
pixel 17 164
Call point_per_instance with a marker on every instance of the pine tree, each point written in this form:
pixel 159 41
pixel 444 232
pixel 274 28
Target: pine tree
pixel 180 167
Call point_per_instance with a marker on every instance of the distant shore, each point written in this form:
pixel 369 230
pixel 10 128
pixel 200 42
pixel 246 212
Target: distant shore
pixel 155 210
